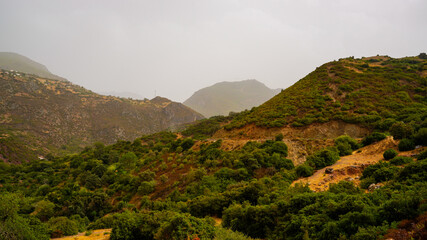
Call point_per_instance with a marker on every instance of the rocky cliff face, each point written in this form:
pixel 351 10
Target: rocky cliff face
pixel 48 114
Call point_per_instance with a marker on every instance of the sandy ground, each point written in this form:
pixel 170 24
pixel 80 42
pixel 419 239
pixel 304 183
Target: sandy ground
pixel 100 234
pixel 350 167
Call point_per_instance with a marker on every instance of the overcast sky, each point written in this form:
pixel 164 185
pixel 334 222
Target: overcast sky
pixel 177 47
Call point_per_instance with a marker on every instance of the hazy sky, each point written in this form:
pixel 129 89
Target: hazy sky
pixel 179 46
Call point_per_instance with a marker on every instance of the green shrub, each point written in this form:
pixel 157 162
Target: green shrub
pixel 146 187
pixel 278 137
pixel 227 234
pixel 400 130
pixel 366 182
pixel 421 137
pixel 347 139
pixel 406 145
pixel 323 158
pixel 374 137
pixel 102 223
pixel 66 226
pixel 344 148
pixel 401 160
pixel 304 170
pixel 344 187
pixel 279 162
pixel 422 155
pixel 185 226
pixel 389 154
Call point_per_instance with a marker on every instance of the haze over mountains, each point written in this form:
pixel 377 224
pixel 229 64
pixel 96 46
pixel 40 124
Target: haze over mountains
pixel 225 97
pixel 44 114
pixel 17 62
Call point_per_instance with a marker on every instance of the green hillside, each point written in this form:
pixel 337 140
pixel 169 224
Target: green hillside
pixel 16 62
pixel 41 115
pixel 225 97
pixel 367 91
pixel 164 187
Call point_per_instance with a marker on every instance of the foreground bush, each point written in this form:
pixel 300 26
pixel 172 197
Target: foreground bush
pixel 389 154
pixel 64 226
pixel 406 145
pixel 373 138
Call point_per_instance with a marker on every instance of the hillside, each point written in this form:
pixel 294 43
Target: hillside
pixel 16 62
pixel 225 97
pixel 41 115
pixel 364 91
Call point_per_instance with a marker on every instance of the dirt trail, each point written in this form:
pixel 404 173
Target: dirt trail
pixel 100 234
pixel 350 167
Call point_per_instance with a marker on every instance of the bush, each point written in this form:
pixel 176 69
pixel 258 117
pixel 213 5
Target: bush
pixel 146 187
pixel 400 130
pixel 344 187
pixel 347 139
pixel 224 233
pixel 323 158
pixel 185 226
pixel 401 160
pixel 406 145
pixel 421 137
pixel 64 225
pixel 304 170
pixel 389 154
pixel 373 138
pixel 422 155
pixel 280 162
pixel 278 137
pixel 344 149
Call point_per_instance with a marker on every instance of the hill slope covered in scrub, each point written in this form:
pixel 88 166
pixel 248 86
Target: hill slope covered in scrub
pixel 366 91
pixel 164 187
pixel 39 114
pixel 225 97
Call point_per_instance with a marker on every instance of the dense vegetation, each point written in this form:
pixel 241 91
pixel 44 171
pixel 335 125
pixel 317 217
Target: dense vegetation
pixel 206 128
pixel 162 187
pixel 375 92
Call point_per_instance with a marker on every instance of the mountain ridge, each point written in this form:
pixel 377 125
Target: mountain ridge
pixel 20 63
pixel 58 116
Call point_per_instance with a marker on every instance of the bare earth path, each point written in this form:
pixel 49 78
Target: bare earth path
pixel 351 167
pixel 100 234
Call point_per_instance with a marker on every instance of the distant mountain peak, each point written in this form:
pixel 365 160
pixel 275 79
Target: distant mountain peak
pixel 225 97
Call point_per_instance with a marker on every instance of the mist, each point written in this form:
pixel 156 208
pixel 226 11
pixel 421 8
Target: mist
pixel 173 48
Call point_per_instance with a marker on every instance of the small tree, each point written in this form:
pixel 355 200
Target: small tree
pixel 400 130
pixel 389 154
pixel 406 145
pixel 304 170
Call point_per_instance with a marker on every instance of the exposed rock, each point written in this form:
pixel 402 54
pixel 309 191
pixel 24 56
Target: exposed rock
pixel 374 186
